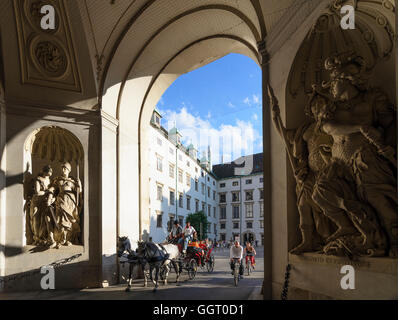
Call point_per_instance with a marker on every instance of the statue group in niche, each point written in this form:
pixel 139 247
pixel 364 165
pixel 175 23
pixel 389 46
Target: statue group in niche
pixel 344 162
pixel 54 208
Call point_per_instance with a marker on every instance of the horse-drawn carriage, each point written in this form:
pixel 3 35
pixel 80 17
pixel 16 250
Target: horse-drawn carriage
pixel 159 257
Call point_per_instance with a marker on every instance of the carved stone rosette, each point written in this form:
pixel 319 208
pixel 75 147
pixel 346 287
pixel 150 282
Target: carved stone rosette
pixel 47 56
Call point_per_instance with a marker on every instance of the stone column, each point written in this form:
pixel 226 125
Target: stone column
pixel 2 188
pixel 267 284
pixel 108 196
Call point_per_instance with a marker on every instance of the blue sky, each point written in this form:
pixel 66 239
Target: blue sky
pixel 218 104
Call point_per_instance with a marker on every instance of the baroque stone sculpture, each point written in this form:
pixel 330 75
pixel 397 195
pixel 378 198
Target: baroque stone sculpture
pixel 54 209
pixel 344 162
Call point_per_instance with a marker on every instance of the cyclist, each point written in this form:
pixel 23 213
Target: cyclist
pixel 250 252
pixel 236 252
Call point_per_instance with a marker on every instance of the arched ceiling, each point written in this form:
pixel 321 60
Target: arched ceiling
pixel 135 38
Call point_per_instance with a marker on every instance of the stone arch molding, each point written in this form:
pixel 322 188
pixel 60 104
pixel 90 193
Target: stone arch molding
pixel 53 188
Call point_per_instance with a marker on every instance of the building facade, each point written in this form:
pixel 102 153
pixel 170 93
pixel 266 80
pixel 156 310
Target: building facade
pixel 241 200
pixel 180 183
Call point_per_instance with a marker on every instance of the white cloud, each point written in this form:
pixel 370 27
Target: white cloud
pixel 254 100
pixel 231 105
pixel 255 117
pixel 229 141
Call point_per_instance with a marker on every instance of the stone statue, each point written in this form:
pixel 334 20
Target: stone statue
pixel 344 163
pixel 363 129
pixel 39 206
pixel 67 193
pixel 309 151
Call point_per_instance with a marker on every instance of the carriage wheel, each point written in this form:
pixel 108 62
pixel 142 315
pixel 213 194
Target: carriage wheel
pixel 192 269
pixel 210 264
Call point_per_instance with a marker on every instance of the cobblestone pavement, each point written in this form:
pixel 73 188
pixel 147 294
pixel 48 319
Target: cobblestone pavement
pixel 217 285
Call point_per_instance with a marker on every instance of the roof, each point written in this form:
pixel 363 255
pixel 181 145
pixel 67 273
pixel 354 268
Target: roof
pixel 242 166
pixel 174 131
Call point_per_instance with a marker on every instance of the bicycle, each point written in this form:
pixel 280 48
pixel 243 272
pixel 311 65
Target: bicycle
pixel 249 267
pixel 236 271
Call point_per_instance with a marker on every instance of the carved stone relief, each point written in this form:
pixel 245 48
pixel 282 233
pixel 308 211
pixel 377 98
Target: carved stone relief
pixel 53 204
pixel 47 56
pixel 372 39
pixel 344 161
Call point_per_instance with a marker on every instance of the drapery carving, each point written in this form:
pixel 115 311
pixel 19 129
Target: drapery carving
pixel 54 204
pixel 344 162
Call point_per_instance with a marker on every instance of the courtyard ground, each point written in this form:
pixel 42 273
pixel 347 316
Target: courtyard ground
pixel 217 285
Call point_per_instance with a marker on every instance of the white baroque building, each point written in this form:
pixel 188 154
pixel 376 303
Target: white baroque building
pixel 241 200
pixel 181 184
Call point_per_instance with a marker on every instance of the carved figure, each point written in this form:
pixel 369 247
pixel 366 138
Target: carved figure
pixel 309 153
pixel 67 193
pixel 363 130
pixel 39 206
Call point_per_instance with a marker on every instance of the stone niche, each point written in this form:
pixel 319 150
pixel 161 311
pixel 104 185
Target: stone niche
pixel 341 145
pixel 53 189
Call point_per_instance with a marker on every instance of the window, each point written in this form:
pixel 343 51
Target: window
pixel 235 183
pixel 196 185
pixel 170 223
pixel 171 150
pixel 196 170
pixel 196 205
pixel 208 179
pixel 188 164
pixel 157 119
pixel 214 212
pixel 222 237
pixel 214 195
pixel 249 195
pixel 261 209
pixel 249 181
pixel 188 203
pixel 208 192
pixel 188 180
pixel 249 210
pixel 236 225
pixel 222 185
pixel 204 207
pixel 223 198
pixel 180 173
pixel 215 228
pixel 171 171
pixel 209 227
pixel 235 196
pixel 223 213
pixel 181 200
pixel 209 210
pixel 235 212
pixel 261 180
pixel 159 141
pixel 181 221
pixel 262 224
pixel 261 194
pixel 222 226
pixel 203 188
pixel 180 156
pixel 214 183
pixel 159 221
pixel 249 224
pixel 159 164
pixel 172 197
pixel 159 193
pixel 202 173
